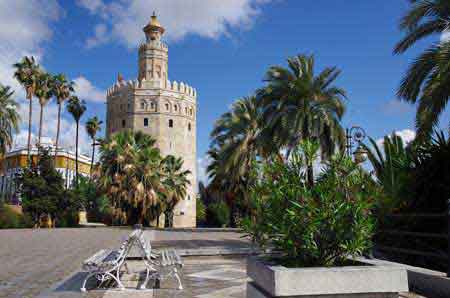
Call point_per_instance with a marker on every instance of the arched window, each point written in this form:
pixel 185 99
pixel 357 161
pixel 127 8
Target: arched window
pixel 142 105
pixel 185 110
pixel 167 106
pixel 145 121
pixel 189 126
pixel 152 105
pixel 170 123
pixel 176 108
pixel 123 122
pixel 190 111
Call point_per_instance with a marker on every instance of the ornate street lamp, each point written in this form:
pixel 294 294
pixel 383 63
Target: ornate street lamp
pixel 354 137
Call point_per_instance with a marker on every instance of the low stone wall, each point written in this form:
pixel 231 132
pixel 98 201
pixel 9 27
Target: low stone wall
pixel 364 281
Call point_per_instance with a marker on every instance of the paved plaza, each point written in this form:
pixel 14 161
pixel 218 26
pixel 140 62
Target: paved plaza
pixel 47 263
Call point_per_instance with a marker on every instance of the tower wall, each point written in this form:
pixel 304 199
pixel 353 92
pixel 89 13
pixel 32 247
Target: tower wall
pixel 159 102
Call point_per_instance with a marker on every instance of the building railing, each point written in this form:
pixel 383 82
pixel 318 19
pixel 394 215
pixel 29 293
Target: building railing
pixel 420 239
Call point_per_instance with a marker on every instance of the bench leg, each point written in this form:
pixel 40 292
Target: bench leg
pixel 83 287
pixel 147 277
pixel 175 273
pixel 119 283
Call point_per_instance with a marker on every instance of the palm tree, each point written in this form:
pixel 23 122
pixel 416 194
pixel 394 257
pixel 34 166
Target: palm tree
pixel 76 108
pixel 175 182
pixel 9 118
pixel 237 136
pixel 26 73
pixel 390 162
pixel 93 125
pixel 130 173
pixel 300 105
pixel 427 80
pixel 44 92
pixel 62 90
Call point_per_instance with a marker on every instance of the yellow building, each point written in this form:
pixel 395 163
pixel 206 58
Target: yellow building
pixel 15 160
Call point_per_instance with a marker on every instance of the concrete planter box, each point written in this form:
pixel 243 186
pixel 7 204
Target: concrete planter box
pixel 363 281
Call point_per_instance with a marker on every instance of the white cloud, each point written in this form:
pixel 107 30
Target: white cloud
pixel 67 130
pixel 87 91
pixel 407 135
pixel 209 19
pixel 25 25
pixel 101 36
pixel 445 36
pixel 395 107
pixel 202 164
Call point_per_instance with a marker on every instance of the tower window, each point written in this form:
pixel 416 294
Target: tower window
pixel 190 111
pixel 142 105
pixel 189 126
pixel 152 105
pixel 145 121
pixel 170 123
pixel 176 108
pixel 123 123
pixel 167 106
pixel 185 110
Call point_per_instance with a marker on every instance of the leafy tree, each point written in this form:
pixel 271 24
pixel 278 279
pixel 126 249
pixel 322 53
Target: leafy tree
pixel 94 201
pixel 27 72
pixel 62 89
pixel 93 125
pixel 44 92
pixel 42 189
pixel 9 118
pixel 76 108
pixel 300 105
pixel 427 80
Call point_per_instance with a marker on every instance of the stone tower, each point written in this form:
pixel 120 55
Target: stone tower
pixel 163 109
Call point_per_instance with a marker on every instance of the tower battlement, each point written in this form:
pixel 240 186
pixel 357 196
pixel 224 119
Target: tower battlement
pixel 133 85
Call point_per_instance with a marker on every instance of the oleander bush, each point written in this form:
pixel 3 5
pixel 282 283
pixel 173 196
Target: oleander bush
pixel 9 219
pixel 218 214
pixel 313 225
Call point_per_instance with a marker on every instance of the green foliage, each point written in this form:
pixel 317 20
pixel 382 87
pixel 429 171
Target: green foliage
pixel 200 210
pixel 391 162
pixel 313 226
pixel 430 175
pixel 427 79
pixel 42 190
pixel 12 220
pixel 9 118
pixel 218 214
pixel 138 180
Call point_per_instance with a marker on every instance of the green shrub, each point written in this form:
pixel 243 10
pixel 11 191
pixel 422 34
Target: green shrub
pixel 318 225
pixel 9 219
pixel 218 214
pixel 201 210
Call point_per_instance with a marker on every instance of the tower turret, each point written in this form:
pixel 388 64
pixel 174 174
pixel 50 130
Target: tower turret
pixel 153 54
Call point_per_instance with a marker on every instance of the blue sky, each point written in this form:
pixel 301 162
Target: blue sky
pixel 222 48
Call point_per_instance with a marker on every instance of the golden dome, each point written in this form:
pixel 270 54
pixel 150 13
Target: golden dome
pixel 154 24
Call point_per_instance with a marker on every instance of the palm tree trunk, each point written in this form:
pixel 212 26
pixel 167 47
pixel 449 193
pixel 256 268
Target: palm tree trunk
pixel 76 156
pixel 41 116
pixel 310 175
pixel 92 158
pixel 57 130
pixel 30 114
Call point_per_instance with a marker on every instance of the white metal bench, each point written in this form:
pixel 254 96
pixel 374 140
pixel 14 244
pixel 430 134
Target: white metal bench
pixel 159 266
pixel 105 265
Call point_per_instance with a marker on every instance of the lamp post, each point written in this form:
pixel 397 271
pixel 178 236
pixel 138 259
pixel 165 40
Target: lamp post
pixel 354 137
